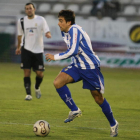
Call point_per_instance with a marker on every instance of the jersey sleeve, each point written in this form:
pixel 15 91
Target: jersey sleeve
pixel 45 26
pixel 19 28
pixel 74 45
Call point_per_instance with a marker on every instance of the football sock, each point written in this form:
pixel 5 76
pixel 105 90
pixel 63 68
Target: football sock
pixel 27 85
pixel 65 95
pixel 108 112
pixel 38 82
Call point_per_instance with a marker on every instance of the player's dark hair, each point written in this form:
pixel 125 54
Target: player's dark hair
pixel 68 15
pixel 29 4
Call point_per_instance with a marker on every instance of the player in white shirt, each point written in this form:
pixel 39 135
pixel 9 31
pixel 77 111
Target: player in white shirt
pixel 30 45
pixel 85 66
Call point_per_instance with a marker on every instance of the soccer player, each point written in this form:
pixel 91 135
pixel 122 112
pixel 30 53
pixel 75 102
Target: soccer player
pixel 30 46
pixel 85 66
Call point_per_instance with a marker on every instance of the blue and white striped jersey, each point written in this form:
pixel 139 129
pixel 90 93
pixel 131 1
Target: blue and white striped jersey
pixel 79 49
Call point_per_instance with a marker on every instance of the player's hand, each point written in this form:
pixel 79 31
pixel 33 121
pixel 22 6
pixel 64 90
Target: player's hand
pixel 48 35
pixel 18 51
pixel 49 57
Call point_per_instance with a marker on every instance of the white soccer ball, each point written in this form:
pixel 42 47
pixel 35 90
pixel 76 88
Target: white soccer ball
pixel 41 128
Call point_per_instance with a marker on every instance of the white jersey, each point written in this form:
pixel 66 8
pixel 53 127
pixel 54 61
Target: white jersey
pixel 32 36
pixel 79 49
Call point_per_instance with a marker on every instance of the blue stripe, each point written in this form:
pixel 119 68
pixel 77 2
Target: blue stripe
pixel 77 62
pixel 85 61
pixel 71 41
pixel 90 55
pixel 89 52
pixel 62 34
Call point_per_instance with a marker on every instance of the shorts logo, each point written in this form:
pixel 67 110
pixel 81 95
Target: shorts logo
pixel 67 68
pixel 40 67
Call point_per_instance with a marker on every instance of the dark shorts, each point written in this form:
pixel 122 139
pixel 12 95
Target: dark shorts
pixel 32 60
pixel 92 78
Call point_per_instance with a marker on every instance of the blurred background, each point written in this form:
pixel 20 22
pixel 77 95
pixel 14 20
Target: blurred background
pixel 112 25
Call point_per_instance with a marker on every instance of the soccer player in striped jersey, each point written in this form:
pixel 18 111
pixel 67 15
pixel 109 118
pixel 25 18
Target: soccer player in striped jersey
pixel 85 66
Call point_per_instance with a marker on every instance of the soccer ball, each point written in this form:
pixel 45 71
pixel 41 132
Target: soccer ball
pixel 41 128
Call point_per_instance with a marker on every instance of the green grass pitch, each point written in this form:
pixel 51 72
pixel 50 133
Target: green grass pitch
pixel 17 116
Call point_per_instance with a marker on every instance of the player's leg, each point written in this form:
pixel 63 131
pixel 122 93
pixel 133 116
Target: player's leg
pixel 27 81
pixel 102 102
pixel 94 81
pixel 60 84
pixel 38 67
pixel 64 77
pixel 26 66
pixel 106 109
pixel 39 79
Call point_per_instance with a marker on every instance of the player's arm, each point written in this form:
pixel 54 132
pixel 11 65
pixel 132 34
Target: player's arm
pixel 48 35
pixel 19 41
pixel 46 29
pixel 19 38
pixel 18 50
pixel 49 57
pixel 72 51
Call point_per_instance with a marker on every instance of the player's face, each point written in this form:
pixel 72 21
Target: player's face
pixel 30 10
pixel 64 26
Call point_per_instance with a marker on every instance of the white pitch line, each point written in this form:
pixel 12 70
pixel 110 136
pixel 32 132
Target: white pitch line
pixel 10 123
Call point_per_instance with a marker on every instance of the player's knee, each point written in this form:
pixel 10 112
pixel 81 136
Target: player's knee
pixel 99 100
pixel 27 73
pixel 97 97
pixel 56 84
pixel 40 74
